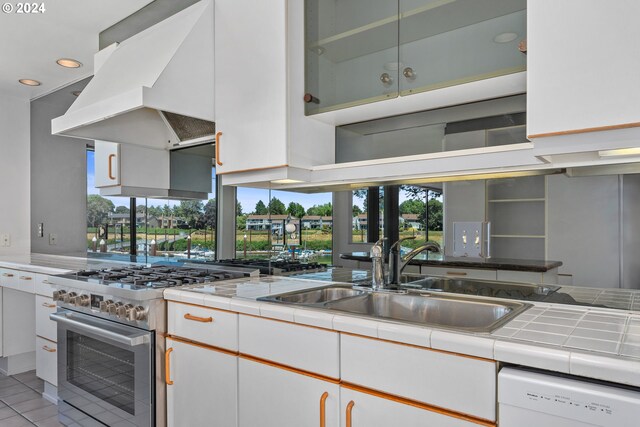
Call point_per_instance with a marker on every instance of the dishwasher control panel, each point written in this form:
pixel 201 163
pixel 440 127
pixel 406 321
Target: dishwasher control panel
pixel 530 398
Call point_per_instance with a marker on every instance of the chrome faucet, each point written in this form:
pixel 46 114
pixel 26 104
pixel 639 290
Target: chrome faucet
pixel 397 262
pixel 377 266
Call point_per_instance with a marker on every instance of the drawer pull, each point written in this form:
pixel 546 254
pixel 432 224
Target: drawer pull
pixel 48 305
pixel 456 273
pixel 323 400
pixel 218 135
pixel 49 349
pixel 189 316
pixel 25 278
pixel 167 366
pixel 350 406
pixel 7 274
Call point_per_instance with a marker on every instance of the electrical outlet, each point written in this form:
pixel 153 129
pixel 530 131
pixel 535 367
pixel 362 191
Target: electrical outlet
pixel 6 240
pixel 53 239
pixel 41 229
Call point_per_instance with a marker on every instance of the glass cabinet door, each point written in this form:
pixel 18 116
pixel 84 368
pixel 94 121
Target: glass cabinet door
pixel 450 42
pixel 351 54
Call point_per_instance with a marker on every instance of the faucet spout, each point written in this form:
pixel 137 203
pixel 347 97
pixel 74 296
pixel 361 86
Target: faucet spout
pixel 399 262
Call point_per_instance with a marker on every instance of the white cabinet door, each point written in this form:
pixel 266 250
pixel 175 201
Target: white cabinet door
pixel 365 410
pixel 204 391
pixel 45 327
pixel 251 84
pixel 18 322
pixel 107 164
pixel 578 78
pixel 275 397
pixel 47 360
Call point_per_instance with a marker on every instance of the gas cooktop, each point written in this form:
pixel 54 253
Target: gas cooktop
pixel 140 278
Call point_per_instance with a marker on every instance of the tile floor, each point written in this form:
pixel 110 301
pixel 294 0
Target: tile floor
pixel 21 402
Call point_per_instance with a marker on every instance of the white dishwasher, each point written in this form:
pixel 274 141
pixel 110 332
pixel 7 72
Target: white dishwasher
pixel 528 398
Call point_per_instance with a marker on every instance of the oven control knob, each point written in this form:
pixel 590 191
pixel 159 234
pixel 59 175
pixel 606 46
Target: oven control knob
pixel 59 295
pixel 137 313
pixel 83 300
pixel 104 305
pixel 69 298
pixel 123 311
pixel 113 308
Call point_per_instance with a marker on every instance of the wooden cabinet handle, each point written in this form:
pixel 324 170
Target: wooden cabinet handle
pixel 350 406
pixel 7 274
pixel 456 273
pixel 49 349
pixel 218 162
pixel 323 416
pixel 111 157
pixel 46 304
pixel 189 316
pixel 25 278
pixel 167 366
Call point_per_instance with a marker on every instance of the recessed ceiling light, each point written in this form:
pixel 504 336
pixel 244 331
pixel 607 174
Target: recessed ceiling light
pixel 505 37
pixel 69 63
pixel 76 92
pixel 30 82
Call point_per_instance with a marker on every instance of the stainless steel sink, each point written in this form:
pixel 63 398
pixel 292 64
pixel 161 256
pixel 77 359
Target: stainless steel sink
pixel 468 314
pixel 315 296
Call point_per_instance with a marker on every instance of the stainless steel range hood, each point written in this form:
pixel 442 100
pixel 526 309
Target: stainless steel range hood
pixel 154 89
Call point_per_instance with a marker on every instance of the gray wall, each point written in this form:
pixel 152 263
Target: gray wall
pixel 58 178
pixel 631 231
pixel 463 201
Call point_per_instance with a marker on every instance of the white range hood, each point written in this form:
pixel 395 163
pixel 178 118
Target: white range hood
pixel 154 89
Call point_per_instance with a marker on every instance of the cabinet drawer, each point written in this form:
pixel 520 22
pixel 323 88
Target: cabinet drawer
pixel 18 280
pixel 461 384
pixel 43 287
pixel 306 348
pixel 462 273
pixel 47 360
pixel 206 325
pixel 9 278
pixel 45 327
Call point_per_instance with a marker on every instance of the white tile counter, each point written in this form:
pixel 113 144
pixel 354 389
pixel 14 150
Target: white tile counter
pixel 591 342
pixel 52 264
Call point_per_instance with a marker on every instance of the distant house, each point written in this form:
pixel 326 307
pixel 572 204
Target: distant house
pixel 360 222
pixel 274 222
pixel 171 221
pixel 316 222
pixel 412 221
pixel 123 219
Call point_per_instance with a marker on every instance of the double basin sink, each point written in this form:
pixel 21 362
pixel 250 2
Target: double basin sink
pixel 469 314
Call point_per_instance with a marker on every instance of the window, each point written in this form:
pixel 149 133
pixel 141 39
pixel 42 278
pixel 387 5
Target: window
pixel 283 225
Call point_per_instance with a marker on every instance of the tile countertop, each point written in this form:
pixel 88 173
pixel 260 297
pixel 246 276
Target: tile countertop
pixel 52 264
pixel 438 260
pixel 590 342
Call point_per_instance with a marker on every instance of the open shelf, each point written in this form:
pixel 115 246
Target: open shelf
pixel 431 19
pixel 516 200
pixel 518 236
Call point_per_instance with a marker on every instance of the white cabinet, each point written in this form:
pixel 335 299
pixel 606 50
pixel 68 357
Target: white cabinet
pixel 259 80
pixel 18 322
pixel 202 386
pixel 460 273
pixel 46 332
pixel 364 409
pixel 206 325
pixel 107 164
pixel 47 360
pixel 274 397
pixel 581 81
pixel 45 327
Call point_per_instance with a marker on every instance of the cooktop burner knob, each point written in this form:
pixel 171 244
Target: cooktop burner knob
pixel 69 298
pixel 83 300
pixel 59 295
pixel 104 305
pixel 113 308
pixel 123 311
pixel 137 313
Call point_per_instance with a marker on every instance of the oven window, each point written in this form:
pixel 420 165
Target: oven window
pixel 104 370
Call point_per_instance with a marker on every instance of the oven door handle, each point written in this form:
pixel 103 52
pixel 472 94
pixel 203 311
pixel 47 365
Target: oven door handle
pixel 102 331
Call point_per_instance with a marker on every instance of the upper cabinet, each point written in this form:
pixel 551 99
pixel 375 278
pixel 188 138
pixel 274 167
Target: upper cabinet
pixel 259 80
pixel 583 83
pixel 359 52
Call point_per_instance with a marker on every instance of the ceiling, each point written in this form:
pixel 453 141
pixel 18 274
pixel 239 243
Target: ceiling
pixel 31 43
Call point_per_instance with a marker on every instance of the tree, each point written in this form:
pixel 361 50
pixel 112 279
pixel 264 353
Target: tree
pixel 434 216
pixel 410 206
pixel 141 209
pixel 210 215
pixel 238 208
pixel 122 210
pixel 192 212
pixel 261 209
pixel 296 210
pixel 356 210
pixel 154 211
pixel 276 207
pixel 98 210
pixel 166 210
pixel 321 210
pixel 241 222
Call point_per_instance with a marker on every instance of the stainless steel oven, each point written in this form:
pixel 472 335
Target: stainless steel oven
pixel 105 371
